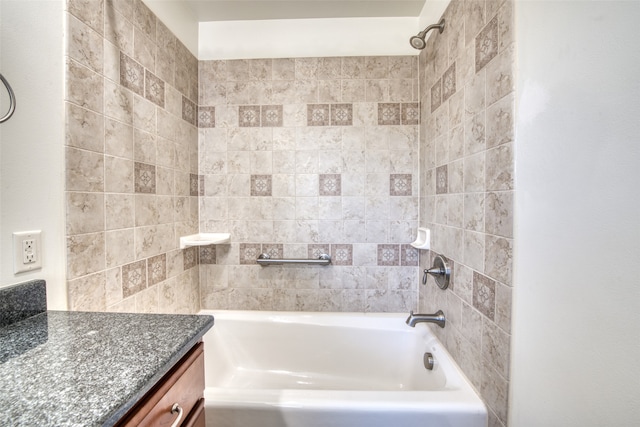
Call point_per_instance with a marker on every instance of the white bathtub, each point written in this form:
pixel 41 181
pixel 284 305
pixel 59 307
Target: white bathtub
pixel 286 369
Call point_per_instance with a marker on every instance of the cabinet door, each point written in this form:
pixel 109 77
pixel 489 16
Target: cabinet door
pixel 196 417
pixel 183 385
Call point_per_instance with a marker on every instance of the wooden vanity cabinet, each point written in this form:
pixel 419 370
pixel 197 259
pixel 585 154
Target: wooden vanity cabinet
pixel 182 385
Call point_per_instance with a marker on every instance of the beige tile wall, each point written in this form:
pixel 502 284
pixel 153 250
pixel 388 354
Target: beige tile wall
pixel 466 77
pixel 131 160
pixel 304 156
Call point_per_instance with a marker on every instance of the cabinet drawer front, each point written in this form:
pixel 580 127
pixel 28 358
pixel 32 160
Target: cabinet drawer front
pixel 184 385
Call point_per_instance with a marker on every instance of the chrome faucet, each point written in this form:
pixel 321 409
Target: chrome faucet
pixel 437 318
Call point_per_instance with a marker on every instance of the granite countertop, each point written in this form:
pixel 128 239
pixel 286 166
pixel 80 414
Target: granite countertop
pixel 63 368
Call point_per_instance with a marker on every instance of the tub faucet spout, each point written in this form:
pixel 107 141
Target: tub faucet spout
pixel 437 318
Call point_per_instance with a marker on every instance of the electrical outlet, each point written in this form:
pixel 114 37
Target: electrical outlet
pixel 27 252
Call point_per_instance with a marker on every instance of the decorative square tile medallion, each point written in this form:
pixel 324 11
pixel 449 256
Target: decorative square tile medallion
pixel 261 185
pixel 271 115
pixel 207 254
pixel 410 113
pixel 436 95
pixel 409 256
pixel 315 250
pixel 330 184
pixel 206 117
pixel 388 113
pixel 157 269
pixel 200 185
pixel 249 116
pixel 249 253
pixel 442 180
pixel 154 89
pixel 484 295
pixel 342 254
pixel 341 114
pixel 194 182
pixel 134 278
pixel 274 250
pixel 487 44
pixel 318 115
pixel 400 184
pixel 388 255
pixel 188 111
pixel 190 257
pixel 131 74
pixel 144 178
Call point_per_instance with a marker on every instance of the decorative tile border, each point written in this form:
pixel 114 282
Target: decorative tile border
pixel 261 185
pixel 410 113
pixel 409 256
pixel 484 294
pixel 157 269
pixel 249 116
pixel 449 82
pixel 330 184
pixel 190 257
pixel 207 254
pixel 318 115
pixel 194 182
pixel 189 111
pixel 154 89
pixel 342 254
pixel 388 114
pixel 144 178
pixel 206 117
pixel 341 114
pixel 249 253
pixel 388 255
pixel 271 115
pixel 315 250
pixel 487 44
pixel 274 250
pixel 400 185
pixel 131 74
pixel 442 180
pixel 134 278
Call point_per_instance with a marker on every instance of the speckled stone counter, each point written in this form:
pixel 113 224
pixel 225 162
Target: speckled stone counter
pixel 87 369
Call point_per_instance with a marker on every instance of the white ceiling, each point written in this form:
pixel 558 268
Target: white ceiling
pixel 236 29
pixel 240 10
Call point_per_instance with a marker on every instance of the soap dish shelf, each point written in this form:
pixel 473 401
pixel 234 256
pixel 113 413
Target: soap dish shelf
pixel 204 239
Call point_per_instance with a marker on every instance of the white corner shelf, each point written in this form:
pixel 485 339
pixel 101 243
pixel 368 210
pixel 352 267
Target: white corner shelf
pixel 423 240
pixel 204 239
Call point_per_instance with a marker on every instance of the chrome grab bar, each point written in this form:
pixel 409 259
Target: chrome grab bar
pixel 12 100
pixel 265 260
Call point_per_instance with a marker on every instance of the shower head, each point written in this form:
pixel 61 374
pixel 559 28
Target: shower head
pixel 418 41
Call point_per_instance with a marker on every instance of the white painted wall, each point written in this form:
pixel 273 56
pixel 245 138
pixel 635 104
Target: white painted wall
pixel 576 318
pixel 32 141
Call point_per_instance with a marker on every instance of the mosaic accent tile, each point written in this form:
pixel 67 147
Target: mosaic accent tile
pixel 144 178
pixel 274 250
pixel 388 114
pixel 134 278
pixel 194 182
pixel 261 185
pixel 442 180
pixel 484 294
pixel 249 116
pixel 436 95
pixel 189 257
pixel 271 115
pixel 342 254
pixel 207 254
pixel 449 82
pixel 206 117
pixel 341 114
pixel 188 111
pixel 154 89
pixel 318 115
pixel 249 253
pixel 388 255
pixel 157 269
pixel 487 44
pixel 410 113
pixel 330 184
pixel 400 185
pixel 131 74
pixel 315 250
pixel 409 256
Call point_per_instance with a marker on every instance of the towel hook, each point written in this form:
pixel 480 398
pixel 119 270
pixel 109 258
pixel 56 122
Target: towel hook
pixel 12 100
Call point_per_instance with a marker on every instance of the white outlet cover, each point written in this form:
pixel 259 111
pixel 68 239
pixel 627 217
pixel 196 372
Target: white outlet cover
pixel 18 251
